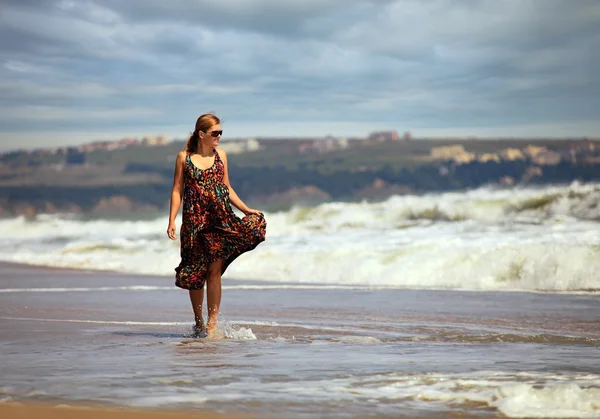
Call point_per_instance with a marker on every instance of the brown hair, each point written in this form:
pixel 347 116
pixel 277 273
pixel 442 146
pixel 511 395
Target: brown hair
pixel 203 123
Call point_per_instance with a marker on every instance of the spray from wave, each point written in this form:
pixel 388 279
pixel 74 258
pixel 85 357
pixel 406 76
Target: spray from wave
pixel 519 239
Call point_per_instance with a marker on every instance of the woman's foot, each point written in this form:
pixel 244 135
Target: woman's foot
pixel 212 330
pixel 199 330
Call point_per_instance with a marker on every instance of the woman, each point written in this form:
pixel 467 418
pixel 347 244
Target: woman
pixel 212 236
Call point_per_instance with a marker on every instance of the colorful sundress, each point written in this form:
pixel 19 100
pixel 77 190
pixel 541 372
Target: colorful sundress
pixel 210 230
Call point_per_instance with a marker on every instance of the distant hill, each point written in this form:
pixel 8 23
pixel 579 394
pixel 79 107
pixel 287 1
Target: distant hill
pixel 279 173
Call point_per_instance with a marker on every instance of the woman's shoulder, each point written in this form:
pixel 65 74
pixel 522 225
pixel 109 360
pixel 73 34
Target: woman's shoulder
pixel 221 152
pixel 181 156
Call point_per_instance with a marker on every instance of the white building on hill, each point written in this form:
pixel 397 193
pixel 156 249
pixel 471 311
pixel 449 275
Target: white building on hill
pixel 240 146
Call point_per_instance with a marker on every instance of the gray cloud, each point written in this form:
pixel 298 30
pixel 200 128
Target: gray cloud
pixel 407 64
pixel 275 17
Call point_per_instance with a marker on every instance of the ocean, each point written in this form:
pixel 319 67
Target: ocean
pixel 544 239
pixel 482 303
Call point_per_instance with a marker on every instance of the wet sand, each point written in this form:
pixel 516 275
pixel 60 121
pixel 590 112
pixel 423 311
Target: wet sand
pixel 115 341
pixel 22 411
pixel 78 412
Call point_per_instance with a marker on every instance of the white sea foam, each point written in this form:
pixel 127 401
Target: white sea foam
pixel 515 395
pixel 12 395
pixel 563 400
pixel 170 400
pixel 358 339
pixel 521 239
pixel 254 322
pixel 238 333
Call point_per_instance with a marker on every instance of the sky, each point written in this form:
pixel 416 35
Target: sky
pixel 76 71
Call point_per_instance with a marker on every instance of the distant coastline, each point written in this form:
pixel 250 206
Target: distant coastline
pixel 136 176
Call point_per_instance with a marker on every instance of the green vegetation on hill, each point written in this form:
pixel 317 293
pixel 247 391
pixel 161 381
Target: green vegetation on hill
pixel 359 155
pixel 159 155
pixel 138 178
pixel 356 157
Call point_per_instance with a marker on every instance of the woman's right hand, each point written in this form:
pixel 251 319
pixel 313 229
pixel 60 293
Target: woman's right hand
pixel 172 231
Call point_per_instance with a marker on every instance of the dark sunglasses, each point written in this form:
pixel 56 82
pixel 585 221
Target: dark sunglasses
pixel 215 133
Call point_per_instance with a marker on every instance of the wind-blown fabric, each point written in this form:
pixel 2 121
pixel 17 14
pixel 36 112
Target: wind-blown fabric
pixel 210 230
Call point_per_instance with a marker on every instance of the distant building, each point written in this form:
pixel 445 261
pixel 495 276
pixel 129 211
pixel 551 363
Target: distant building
pixel 464 157
pixel 110 145
pixel 154 141
pixel 547 158
pixel 335 143
pixel 455 153
pixel 383 136
pixel 252 144
pixel 531 151
pixel 511 154
pixel 590 145
pixel 446 152
pixel 241 146
pixel 487 157
pixel 325 145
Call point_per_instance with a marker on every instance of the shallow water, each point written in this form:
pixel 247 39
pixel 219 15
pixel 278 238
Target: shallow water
pixel 299 351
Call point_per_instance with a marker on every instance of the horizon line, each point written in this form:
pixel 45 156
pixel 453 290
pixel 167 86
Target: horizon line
pixel 324 137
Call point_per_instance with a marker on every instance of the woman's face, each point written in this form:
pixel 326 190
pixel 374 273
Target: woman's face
pixel 212 136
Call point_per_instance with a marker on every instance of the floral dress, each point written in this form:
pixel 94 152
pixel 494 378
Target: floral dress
pixel 210 230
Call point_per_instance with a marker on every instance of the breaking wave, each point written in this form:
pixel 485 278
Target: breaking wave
pixel 544 239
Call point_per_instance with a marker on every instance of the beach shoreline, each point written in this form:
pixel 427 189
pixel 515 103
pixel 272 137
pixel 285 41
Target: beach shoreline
pixel 15 410
pixel 70 410
pixel 18 266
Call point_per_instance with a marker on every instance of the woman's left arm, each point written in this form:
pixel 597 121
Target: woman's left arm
pixel 234 198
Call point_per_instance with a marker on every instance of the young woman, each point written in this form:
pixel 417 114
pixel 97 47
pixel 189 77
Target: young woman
pixel 212 235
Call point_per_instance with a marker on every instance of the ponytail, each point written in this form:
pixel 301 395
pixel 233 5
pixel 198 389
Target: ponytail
pixel 192 143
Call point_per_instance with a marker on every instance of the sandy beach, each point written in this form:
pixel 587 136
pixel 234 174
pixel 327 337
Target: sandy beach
pixel 122 344
pixel 20 411
pixel 77 412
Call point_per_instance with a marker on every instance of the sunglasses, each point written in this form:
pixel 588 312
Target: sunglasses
pixel 215 133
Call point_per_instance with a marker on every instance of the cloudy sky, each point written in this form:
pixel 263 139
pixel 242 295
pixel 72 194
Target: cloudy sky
pixel 73 71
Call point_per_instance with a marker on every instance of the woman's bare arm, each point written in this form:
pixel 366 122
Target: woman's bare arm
pixel 234 198
pixel 176 194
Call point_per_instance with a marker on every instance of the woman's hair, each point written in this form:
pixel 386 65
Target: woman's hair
pixel 203 123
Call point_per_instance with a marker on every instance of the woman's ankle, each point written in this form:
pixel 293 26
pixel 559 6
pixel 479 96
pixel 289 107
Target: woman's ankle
pixel 212 323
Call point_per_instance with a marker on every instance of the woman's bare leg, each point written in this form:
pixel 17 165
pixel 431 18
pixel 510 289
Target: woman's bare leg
pixel 213 295
pixel 197 299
